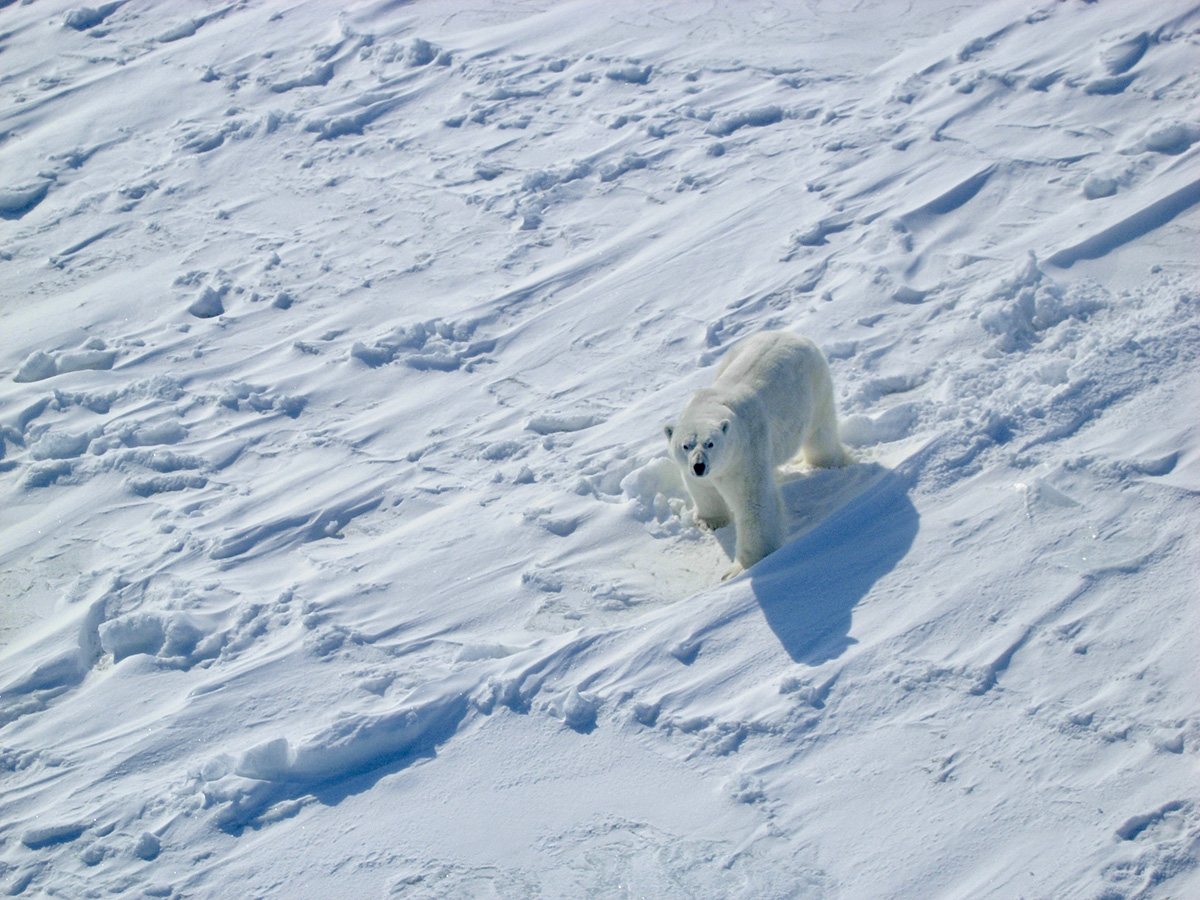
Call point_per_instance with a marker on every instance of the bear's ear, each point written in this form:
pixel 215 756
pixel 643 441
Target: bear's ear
pixel 725 426
pixel 670 431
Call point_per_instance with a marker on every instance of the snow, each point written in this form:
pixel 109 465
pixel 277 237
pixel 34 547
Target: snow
pixel 339 550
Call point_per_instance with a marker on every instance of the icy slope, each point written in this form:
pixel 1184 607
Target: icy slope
pixel 340 555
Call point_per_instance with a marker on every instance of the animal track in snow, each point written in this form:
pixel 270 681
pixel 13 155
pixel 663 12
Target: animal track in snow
pixel 189 27
pixel 84 17
pixel 261 399
pixel 753 118
pixel 546 179
pixel 328 128
pixel 628 163
pixel 630 74
pixel 1154 847
pixel 549 423
pixel 141 446
pixel 1135 826
pixel 433 345
pixel 1022 309
pixel 1170 138
pixel 204 140
pixel 815 235
pixel 316 76
pixel 182 626
pixel 214 293
pixel 40 365
pixel 577 709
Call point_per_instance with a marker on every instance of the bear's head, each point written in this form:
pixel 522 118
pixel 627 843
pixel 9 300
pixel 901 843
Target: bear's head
pixel 700 446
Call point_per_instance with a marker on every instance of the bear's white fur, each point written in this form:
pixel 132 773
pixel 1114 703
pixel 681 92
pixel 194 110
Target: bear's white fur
pixel 772 396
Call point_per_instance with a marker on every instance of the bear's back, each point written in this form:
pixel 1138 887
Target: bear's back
pixel 770 360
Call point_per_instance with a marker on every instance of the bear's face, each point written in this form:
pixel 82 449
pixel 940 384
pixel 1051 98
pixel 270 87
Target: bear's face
pixel 700 447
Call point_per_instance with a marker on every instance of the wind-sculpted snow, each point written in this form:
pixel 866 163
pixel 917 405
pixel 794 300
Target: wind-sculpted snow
pixel 16 202
pixel 340 553
pixel 1133 226
pixel 265 781
pixel 952 199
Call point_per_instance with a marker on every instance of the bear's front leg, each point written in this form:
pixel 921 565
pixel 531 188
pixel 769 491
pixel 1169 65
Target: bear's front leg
pixel 761 523
pixel 733 571
pixel 710 512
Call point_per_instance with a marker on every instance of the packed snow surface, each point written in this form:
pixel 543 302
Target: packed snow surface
pixel 340 555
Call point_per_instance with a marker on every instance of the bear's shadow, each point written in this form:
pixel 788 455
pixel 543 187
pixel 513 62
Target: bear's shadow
pixel 848 528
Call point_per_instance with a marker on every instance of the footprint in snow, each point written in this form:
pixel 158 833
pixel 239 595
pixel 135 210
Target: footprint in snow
pixel 753 118
pixel 434 345
pixel 630 74
pixel 84 17
pixel 40 365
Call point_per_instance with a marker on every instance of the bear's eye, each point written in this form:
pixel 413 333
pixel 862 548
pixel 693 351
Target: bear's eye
pixel 708 445
pixel 688 447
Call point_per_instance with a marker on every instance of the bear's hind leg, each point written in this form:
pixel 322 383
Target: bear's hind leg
pixel 822 446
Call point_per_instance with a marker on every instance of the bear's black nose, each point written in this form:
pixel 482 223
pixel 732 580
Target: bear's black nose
pixel 698 468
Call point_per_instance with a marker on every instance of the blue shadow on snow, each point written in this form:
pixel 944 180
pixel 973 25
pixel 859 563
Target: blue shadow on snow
pixel 860 523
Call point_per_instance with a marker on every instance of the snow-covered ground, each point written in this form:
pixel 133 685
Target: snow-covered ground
pixel 339 551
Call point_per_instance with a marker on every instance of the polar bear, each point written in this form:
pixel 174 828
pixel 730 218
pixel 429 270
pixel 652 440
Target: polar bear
pixel 772 396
